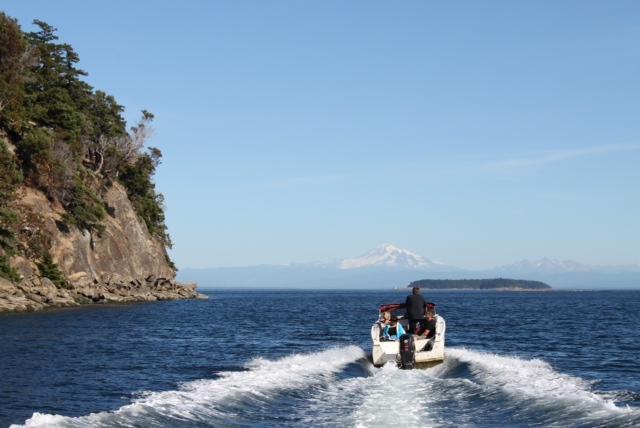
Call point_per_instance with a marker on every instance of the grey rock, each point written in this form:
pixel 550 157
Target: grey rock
pixel 124 264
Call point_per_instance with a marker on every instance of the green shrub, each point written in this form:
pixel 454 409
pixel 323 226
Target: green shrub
pixel 6 271
pixel 49 269
pixel 36 153
pixel 13 66
pixel 137 179
pixel 10 176
pixel 8 221
pixel 10 179
pixel 48 163
pixel 86 209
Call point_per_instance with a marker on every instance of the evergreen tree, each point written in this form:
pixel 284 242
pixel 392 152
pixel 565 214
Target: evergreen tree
pixel 71 141
pixel 14 61
pixel 10 179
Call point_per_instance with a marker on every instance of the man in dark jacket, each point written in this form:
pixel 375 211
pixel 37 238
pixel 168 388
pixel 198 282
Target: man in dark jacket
pixel 415 306
pixel 427 328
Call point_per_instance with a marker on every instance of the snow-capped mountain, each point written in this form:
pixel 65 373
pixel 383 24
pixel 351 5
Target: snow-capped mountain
pixel 390 266
pixel 388 255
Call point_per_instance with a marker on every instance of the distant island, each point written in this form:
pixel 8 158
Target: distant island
pixel 481 284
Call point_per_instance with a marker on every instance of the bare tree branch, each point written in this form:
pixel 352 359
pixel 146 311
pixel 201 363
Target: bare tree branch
pixel 105 154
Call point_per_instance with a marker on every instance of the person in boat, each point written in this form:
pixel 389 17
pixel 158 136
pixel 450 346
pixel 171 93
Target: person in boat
pixel 427 327
pixel 393 330
pixel 385 318
pixel 415 306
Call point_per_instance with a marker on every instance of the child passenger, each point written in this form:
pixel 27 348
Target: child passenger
pixel 393 330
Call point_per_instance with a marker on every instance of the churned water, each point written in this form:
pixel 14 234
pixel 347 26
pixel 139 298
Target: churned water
pixel 299 358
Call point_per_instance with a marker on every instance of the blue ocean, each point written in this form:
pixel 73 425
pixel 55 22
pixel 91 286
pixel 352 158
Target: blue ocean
pixel 299 358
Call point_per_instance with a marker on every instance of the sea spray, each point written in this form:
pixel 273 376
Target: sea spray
pixel 470 388
pixel 532 388
pixel 207 401
pixel 322 389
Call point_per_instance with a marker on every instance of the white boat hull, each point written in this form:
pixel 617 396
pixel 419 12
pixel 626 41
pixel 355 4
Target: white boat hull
pixel 384 351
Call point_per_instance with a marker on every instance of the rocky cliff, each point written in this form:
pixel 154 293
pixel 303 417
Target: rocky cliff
pixel 124 263
pixel 81 220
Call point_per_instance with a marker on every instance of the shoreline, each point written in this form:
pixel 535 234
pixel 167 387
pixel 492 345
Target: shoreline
pixel 489 289
pixel 38 294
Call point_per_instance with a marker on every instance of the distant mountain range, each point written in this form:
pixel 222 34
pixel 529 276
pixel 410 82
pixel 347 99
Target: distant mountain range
pixel 389 266
pixel 388 255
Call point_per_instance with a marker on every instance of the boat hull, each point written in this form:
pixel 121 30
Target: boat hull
pixel 384 351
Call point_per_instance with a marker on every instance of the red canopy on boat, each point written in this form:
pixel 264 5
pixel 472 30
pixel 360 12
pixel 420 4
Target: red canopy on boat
pixel 388 307
pixel 391 307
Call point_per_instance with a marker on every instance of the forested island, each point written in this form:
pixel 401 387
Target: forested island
pixel 481 284
pixel 80 218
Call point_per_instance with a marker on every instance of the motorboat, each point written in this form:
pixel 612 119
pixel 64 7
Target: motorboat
pixel 408 350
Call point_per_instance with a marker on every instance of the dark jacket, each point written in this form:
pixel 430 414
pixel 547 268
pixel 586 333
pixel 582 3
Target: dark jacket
pixel 428 324
pixel 415 305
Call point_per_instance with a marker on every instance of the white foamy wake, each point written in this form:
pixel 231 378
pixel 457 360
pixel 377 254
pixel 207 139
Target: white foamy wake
pixel 534 387
pixel 396 397
pixel 204 401
pixel 387 397
pixel 469 389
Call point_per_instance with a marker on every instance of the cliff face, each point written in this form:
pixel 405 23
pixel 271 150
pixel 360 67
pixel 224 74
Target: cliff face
pixel 125 247
pixel 80 218
pixel 124 263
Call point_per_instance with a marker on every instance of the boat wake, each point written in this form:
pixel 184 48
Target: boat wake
pixel 469 389
pixel 337 387
pixel 532 391
pixel 219 401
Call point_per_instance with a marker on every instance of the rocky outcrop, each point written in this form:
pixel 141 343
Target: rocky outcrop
pixel 39 293
pixel 125 247
pixel 122 264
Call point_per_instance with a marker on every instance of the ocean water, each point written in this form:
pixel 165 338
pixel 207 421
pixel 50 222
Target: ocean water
pixel 298 358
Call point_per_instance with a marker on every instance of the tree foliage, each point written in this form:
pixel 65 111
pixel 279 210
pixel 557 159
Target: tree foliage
pixel 10 174
pixel 49 269
pixel 10 179
pixel 479 284
pixel 85 209
pixel 14 61
pixel 71 140
pixel 137 178
pixel 6 271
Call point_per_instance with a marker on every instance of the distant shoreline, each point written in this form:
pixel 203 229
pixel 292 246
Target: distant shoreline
pixel 494 284
pixel 491 289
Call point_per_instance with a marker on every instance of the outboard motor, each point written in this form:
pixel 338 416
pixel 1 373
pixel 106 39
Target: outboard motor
pixel 407 355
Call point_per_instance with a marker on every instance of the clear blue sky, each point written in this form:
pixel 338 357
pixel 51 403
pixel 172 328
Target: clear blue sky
pixel 475 133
